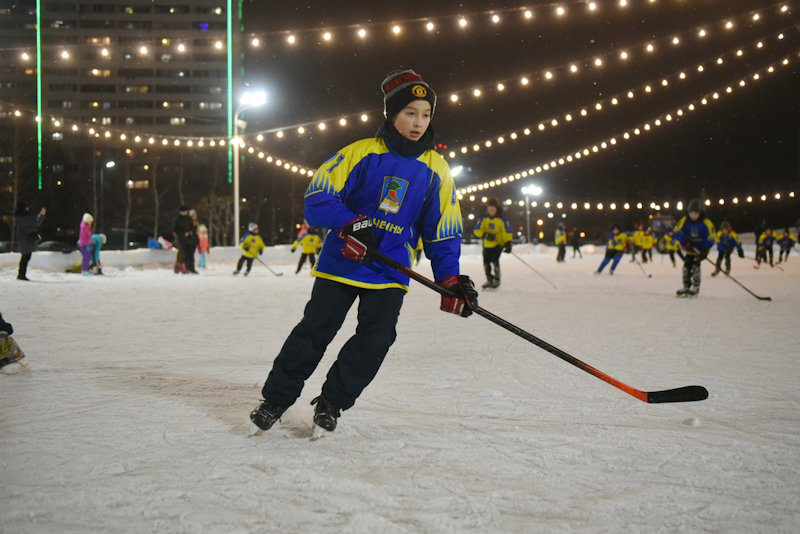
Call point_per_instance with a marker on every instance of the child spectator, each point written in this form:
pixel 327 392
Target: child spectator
pixel 202 245
pixel 85 243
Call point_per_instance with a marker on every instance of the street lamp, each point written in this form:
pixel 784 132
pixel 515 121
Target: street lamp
pixel 247 101
pixel 108 165
pixel 534 190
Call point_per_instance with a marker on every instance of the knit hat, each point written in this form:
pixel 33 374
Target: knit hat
pixel 694 205
pixel 402 87
pixel 725 225
pixel 87 218
pixel 252 227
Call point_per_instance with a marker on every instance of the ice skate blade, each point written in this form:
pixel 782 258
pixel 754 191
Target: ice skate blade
pixel 317 433
pixel 15 368
pixel 255 431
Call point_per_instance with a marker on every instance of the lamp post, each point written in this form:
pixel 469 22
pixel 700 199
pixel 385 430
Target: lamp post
pixel 247 101
pixel 108 165
pixel 534 190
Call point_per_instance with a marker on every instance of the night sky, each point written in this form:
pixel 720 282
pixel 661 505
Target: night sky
pixel 743 144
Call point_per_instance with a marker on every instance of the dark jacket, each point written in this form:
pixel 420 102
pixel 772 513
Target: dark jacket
pixel 28 230
pixel 184 229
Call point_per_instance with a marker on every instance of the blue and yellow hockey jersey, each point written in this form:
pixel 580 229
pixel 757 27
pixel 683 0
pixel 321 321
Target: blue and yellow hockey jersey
pixel 406 198
pixel 700 233
pixel 494 231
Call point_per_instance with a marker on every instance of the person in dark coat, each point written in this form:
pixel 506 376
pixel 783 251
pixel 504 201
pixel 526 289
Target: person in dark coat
pixel 186 238
pixel 27 235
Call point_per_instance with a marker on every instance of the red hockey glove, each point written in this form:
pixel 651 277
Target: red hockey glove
pixel 358 238
pixel 465 297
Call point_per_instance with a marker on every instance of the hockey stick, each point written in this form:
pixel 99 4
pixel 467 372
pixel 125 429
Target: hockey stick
pixel 682 394
pixel 267 266
pixel 642 267
pixel 739 283
pixel 532 269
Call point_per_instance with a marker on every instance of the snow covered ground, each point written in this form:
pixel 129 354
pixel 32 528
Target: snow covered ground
pixel 134 414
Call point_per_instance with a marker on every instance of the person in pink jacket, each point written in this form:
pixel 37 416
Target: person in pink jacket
pixel 85 243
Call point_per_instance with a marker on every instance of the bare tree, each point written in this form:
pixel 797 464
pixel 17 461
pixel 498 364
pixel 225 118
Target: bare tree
pixel 218 211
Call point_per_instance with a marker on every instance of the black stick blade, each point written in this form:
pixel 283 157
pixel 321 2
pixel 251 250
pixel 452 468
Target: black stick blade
pixel 684 394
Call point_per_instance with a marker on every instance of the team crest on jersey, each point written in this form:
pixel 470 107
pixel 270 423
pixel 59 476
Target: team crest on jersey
pixel 394 190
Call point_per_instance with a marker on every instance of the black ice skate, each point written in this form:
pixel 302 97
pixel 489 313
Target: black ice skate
pixel 688 291
pixel 325 413
pixel 266 415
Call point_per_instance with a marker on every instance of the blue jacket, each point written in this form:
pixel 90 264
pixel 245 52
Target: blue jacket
pixel 728 242
pixel 700 233
pixel 407 198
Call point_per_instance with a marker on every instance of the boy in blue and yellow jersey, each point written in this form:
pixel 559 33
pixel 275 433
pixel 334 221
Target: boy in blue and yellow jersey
pixel 309 243
pixel 382 193
pixel 615 248
pixel 635 240
pixel 561 242
pixel 671 246
pixel 696 235
pixel 727 241
pixel 765 243
pixel 786 241
pixel 495 233
pixel 252 246
pixel 648 241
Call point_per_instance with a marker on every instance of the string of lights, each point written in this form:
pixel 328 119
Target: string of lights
pixel 672 116
pixel 647 88
pixel 500 86
pixel 560 209
pixel 551 76
pixel 465 22
pixel 304 170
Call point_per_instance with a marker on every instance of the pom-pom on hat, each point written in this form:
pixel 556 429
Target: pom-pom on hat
pixel 402 87
pixel 87 218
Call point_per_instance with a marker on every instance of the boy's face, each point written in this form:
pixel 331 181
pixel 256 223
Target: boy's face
pixel 694 215
pixel 413 120
pixel 491 210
